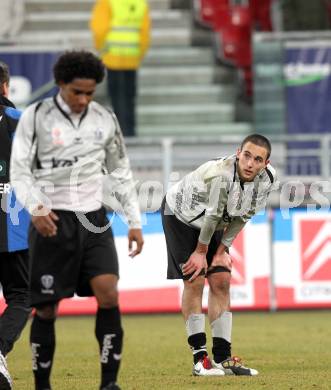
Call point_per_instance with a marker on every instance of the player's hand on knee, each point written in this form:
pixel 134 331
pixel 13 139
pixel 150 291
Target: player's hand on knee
pixel 223 260
pixel 195 264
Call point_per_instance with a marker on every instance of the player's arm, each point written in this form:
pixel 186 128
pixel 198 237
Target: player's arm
pixel 121 183
pixel 22 159
pixel 222 257
pixel 218 196
pixel 21 176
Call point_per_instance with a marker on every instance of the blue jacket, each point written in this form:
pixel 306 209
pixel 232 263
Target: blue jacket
pixel 14 220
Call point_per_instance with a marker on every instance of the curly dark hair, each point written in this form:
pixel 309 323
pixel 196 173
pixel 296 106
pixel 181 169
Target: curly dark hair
pixel 78 65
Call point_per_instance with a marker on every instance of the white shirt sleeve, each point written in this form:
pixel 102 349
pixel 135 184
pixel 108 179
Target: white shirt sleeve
pixel 23 155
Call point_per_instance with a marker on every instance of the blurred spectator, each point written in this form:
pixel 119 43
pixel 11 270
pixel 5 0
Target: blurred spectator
pixel 121 31
pixel 301 15
pixel 11 18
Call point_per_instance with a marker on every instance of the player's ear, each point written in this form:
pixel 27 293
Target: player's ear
pixel 238 152
pixel 5 92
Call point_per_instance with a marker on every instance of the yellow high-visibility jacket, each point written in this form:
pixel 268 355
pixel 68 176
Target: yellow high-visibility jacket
pixel 121 32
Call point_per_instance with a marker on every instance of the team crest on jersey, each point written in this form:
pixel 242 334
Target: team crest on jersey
pixel 57 136
pixel 98 135
pixel 47 282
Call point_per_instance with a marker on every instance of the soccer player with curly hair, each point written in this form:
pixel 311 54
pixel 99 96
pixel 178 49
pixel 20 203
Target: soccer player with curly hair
pixel 65 149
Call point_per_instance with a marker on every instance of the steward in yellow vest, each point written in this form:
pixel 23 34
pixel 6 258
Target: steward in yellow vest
pixel 121 30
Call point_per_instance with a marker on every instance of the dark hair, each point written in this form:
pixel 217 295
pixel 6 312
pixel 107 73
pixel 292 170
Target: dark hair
pixel 78 65
pixel 258 139
pixel 4 75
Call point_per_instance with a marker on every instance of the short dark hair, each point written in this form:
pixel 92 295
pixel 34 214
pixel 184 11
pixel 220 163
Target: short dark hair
pixel 4 75
pixel 258 139
pixel 78 65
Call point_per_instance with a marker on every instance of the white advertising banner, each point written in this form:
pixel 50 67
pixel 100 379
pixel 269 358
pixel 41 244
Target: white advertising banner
pixel 302 255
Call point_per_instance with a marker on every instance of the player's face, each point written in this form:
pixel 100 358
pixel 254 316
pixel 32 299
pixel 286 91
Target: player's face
pixel 78 93
pixel 251 159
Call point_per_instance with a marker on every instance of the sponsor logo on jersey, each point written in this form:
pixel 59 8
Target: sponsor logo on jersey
pixel 315 249
pixel 78 141
pixel 238 274
pixel 59 162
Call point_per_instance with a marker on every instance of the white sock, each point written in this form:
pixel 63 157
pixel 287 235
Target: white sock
pixel 195 324
pixel 222 326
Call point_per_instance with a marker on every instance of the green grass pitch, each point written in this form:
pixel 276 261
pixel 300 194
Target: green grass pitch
pixel 291 350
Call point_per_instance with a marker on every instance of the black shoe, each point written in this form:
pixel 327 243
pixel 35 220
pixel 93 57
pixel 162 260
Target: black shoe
pixel 111 386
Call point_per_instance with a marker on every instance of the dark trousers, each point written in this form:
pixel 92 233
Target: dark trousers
pixel 14 281
pixel 122 88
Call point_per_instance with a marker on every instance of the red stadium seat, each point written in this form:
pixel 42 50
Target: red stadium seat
pixel 233 47
pixel 222 15
pixel 261 14
pixel 233 26
pixel 234 39
pixel 210 12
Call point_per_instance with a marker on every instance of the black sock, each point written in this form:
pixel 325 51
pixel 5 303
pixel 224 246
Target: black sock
pixel 12 323
pixel 42 340
pixel 221 349
pixel 197 343
pixel 109 333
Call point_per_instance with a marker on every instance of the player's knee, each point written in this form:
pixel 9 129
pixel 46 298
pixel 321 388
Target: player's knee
pixel 220 283
pixel 46 312
pixel 107 298
pixel 196 286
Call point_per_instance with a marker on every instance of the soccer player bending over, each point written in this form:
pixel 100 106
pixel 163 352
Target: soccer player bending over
pixel 62 148
pixel 202 215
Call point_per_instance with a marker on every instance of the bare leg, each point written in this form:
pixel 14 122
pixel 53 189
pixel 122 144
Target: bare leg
pixel 219 294
pixel 192 297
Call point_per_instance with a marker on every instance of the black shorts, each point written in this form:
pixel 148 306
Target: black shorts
pixel 65 264
pixel 181 242
pixel 14 273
